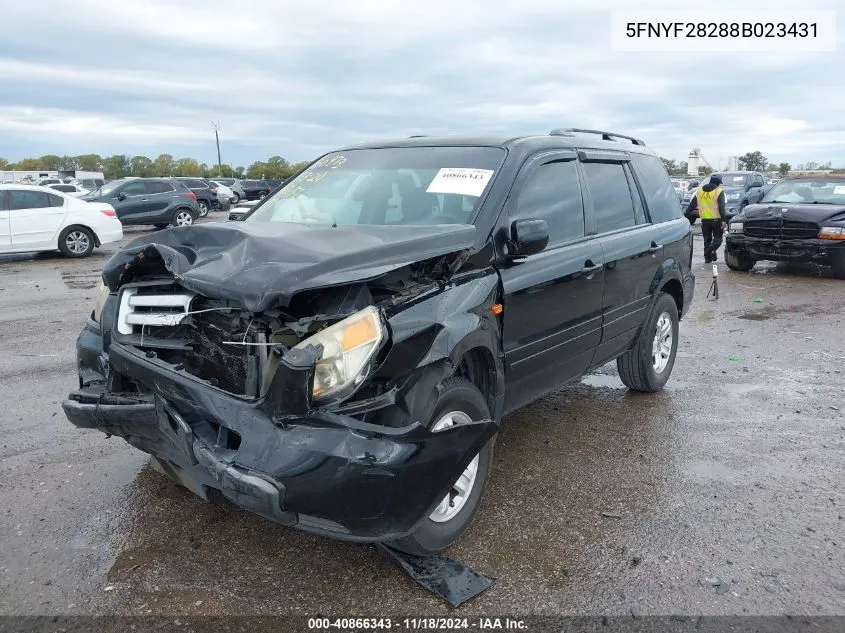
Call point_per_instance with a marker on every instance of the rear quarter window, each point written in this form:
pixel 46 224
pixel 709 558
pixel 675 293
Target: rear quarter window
pixel 657 189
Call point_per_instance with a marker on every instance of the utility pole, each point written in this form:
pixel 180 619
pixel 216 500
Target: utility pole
pixel 216 126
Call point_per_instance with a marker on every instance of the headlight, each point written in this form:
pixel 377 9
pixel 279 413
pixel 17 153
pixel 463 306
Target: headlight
pixel 348 348
pixel 832 233
pixel 732 197
pixel 100 301
pixel 735 227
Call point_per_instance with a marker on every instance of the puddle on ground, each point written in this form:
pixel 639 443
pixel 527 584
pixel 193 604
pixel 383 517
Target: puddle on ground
pixel 741 389
pixel 602 381
pixel 754 316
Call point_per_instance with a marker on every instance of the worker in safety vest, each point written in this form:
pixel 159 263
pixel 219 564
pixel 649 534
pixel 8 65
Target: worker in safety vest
pixel 709 201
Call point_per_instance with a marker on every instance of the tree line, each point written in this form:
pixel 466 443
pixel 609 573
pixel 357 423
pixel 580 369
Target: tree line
pixel 121 166
pixel 752 161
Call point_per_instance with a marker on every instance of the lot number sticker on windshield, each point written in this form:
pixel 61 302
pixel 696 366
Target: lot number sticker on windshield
pixel 839 190
pixel 460 180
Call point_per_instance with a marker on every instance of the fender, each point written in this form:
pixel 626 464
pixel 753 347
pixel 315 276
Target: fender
pixel 431 335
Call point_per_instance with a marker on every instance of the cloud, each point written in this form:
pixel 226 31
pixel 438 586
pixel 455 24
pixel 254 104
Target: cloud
pixel 113 76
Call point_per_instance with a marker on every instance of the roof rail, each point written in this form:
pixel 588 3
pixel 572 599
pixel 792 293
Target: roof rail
pixel 606 136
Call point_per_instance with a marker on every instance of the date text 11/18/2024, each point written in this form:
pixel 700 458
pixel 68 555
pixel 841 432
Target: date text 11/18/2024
pixel 416 624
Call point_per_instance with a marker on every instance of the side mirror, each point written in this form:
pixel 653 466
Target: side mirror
pixel 121 196
pixel 528 237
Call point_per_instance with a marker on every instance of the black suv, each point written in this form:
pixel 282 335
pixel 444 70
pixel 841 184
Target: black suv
pixel 798 220
pixel 205 192
pixel 342 359
pixel 159 201
pixel 255 189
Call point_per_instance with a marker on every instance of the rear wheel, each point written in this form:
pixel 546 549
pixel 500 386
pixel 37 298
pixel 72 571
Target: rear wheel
pixel 76 241
pixel 738 262
pixel 648 365
pixel 203 207
pixel 459 402
pixel 182 217
pixel 236 199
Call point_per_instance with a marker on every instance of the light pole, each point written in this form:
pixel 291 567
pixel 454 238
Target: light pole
pixel 216 126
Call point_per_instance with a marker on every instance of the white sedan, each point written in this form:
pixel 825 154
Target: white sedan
pixel 224 192
pixel 74 190
pixel 36 218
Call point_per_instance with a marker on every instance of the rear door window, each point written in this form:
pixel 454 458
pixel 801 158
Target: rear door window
pixel 613 207
pixel 134 189
pixel 25 199
pixel 162 187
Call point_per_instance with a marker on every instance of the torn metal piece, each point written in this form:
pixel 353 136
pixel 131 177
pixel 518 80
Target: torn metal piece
pixel 451 580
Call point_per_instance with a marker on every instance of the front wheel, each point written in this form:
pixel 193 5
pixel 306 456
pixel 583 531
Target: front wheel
pixel 738 262
pixel 648 365
pixel 459 402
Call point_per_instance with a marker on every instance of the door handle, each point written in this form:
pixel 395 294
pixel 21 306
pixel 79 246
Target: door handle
pixel 590 267
pixel 654 247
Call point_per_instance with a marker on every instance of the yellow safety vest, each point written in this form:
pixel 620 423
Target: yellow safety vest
pixel 708 203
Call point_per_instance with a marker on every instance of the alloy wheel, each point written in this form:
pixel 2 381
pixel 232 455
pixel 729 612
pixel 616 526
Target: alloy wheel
pixel 184 218
pixel 661 348
pixel 457 497
pixel 77 242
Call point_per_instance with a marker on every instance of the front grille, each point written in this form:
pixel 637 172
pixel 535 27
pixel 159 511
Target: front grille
pixel 781 229
pixel 211 357
pixel 205 338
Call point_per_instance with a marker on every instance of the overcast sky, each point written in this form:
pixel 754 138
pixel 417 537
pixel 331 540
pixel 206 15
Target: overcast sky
pixel 300 78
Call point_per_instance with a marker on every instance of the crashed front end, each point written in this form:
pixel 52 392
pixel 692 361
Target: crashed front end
pixel 311 415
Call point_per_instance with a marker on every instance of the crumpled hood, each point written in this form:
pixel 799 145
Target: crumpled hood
pixel 263 264
pixel 795 211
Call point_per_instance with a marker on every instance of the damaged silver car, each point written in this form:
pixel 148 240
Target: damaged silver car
pixel 337 360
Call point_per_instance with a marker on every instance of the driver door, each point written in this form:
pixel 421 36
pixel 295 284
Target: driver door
pixel 131 202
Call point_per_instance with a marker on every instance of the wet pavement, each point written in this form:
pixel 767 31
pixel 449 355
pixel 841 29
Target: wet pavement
pixel 721 495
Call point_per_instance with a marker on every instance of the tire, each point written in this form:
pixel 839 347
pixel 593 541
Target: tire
pixel 838 267
pixel 457 396
pixel 648 364
pixel 738 262
pixel 203 207
pixel 237 199
pixel 161 226
pixel 182 217
pixel 76 241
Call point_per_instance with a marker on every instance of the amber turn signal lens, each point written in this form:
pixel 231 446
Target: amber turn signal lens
pixel 497 308
pixel 360 333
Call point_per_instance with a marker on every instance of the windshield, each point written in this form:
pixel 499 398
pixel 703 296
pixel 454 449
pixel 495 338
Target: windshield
pixel 106 189
pixel 808 191
pixel 396 186
pixel 732 180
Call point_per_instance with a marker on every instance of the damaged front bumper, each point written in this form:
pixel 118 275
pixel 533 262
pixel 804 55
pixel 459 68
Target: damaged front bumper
pixel 311 468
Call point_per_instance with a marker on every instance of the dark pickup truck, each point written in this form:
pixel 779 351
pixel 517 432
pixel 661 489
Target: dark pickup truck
pixel 799 220
pixel 341 359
